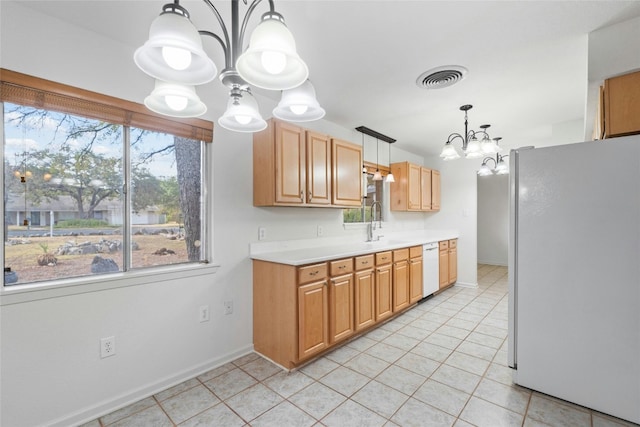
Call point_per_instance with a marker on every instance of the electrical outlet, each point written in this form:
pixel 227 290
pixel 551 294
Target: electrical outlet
pixel 203 313
pixel 320 231
pixel 107 347
pixel 228 307
pixel 262 233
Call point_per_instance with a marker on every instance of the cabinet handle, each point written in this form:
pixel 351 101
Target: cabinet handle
pixel 310 196
pixel 313 273
pixel 365 262
pixel 342 267
pixel 302 195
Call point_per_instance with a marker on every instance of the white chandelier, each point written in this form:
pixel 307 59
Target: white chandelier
pixel 472 148
pixel 174 56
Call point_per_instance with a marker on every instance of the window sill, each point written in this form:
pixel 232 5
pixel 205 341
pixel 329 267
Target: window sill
pixel 359 225
pixel 18 294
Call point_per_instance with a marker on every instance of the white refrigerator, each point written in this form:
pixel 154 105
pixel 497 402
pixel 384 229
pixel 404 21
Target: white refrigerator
pixel 574 273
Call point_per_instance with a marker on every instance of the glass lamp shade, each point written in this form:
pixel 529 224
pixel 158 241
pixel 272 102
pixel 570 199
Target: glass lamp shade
pixel 502 168
pixel 174 52
pixel 377 176
pixel 175 100
pixel 271 61
pixel 299 104
pixel 473 150
pixel 449 152
pixel 242 115
pixel 390 178
pixel 484 170
pixel 488 146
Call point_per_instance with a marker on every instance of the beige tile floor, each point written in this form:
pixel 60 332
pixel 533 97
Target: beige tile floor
pixel 442 363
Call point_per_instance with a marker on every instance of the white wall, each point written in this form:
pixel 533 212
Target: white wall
pixel 50 370
pixel 458 210
pixel 493 219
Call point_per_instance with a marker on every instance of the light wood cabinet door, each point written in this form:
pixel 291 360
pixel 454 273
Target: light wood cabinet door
pixel 425 187
pixel 622 105
pixel 347 173
pixel 313 318
pixel 400 285
pixel 453 261
pixel 290 164
pixel 318 168
pixel 384 292
pixel 415 279
pixel 435 190
pixel 415 175
pixel 444 264
pixel 340 307
pixel 365 299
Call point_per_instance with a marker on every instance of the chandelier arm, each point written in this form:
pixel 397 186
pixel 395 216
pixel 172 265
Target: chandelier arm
pixel 453 137
pixel 245 20
pixel 486 159
pixel 217 37
pixel 227 43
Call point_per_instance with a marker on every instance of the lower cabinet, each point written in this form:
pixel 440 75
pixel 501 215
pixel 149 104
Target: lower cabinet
pixel 313 318
pixel 384 286
pixel 299 312
pixel 400 279
pixel 364 292
pixel 415 274
pixel 341 306
pixel 448 257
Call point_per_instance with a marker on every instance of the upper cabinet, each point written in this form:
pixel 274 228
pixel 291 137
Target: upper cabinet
pixel 347 173
pixel 293 166
pixel 416 188
pixel 621 99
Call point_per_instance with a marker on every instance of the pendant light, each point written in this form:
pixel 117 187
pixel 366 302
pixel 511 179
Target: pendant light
pixel 377 176
pixel 390 177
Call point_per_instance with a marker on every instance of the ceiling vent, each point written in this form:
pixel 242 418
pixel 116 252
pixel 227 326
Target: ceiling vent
pixel 441 77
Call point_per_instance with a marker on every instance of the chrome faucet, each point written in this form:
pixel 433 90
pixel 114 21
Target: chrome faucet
pixel 372 226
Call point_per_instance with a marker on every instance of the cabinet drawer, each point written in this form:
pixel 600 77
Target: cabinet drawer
pixel 312 272
pixel 341 266
pixel 400 254
pixel 444 245
pixel 363 262
pixel 383 258
pixel 453 243
pixel 415 251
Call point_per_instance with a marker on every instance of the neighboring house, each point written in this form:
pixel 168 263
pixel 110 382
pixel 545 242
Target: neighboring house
pixel 64 208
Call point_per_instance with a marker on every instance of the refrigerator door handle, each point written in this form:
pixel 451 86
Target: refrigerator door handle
pixel 512 354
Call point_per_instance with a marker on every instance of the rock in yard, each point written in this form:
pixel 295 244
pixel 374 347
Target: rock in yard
pixel 103 265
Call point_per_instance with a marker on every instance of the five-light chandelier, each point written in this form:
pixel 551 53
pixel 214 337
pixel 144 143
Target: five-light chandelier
pixel 175 57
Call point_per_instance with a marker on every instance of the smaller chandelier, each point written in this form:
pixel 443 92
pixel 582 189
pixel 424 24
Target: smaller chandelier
pixel 500 166
pixel 472 148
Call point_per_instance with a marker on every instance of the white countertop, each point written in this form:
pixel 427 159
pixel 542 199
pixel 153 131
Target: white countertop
pixel 309 251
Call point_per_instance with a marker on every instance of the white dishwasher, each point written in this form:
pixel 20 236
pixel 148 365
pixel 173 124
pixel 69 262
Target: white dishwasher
pixel 430 269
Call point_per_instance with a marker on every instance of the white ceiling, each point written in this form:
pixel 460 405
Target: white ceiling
pixel 527 60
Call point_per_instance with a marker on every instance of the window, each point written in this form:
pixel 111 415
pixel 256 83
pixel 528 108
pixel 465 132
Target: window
pixel 86 192
pixel 374 191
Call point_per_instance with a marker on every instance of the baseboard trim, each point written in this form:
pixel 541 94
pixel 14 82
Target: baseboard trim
pixel 499 263
pixel 107 406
